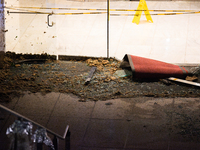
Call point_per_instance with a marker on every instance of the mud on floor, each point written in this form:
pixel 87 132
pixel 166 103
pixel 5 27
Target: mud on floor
pixel 179 117
pixel 43 74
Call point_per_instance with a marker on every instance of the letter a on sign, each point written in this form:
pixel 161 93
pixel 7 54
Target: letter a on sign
pixel 142 7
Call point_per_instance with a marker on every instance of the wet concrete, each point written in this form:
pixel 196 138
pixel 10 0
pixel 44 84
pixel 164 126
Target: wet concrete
pixel 123 123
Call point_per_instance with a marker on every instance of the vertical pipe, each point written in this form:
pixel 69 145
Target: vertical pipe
pixel 108 20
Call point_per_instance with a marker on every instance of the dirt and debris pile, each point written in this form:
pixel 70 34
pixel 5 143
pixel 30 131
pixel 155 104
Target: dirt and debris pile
pixel 70 76
pixel 12 58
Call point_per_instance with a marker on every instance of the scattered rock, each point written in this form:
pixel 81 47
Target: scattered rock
pixel 105 62
pixel 109 103
pixel 193 78
pixel 122 73
pixel 149 94
pixel 179 106
pixel 117 93
pixel 82 100
pixel 113 78
pixel 17 65
pixel 166 82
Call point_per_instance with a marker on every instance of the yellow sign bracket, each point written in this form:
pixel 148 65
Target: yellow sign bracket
pixel 142 7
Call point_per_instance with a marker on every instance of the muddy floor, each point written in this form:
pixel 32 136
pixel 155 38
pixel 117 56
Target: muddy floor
pixel 44 74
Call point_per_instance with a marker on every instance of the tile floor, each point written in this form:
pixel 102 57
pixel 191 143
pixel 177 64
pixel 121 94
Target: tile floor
pixel 120 124
pixel 170 38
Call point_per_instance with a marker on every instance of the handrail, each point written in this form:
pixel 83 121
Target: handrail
pixel 35 123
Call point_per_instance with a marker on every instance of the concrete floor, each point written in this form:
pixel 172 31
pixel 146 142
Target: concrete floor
pixel 131 123
pixel 170 38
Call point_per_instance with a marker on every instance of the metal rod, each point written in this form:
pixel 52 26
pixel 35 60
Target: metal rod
pixel 184 81
pixel 108 19
pixel 50 25
pixel 22 12
pixel 18 115
pixel 61 8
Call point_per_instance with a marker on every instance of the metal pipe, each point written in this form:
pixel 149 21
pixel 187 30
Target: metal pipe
pixel 108 20
pixel 50 25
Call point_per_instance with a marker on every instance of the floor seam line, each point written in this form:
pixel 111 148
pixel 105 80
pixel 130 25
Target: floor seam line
pixel 53 109
pixel 88 123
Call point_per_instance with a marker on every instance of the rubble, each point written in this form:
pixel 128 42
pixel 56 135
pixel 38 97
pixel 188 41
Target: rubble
pixel 70 76
pixel 192 78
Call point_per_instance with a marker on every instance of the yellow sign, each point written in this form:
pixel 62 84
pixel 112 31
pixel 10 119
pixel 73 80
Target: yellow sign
pixel 142 7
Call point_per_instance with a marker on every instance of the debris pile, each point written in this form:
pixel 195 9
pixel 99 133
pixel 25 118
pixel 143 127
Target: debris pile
pixel 108 81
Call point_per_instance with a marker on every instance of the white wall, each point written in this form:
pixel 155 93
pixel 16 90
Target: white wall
pixel 170 38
